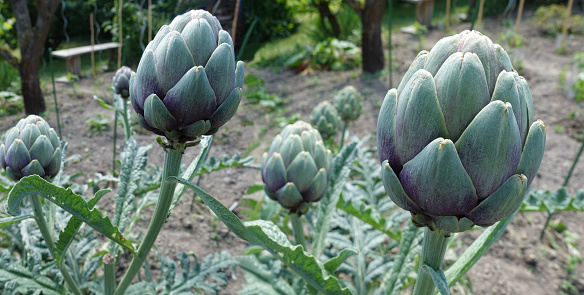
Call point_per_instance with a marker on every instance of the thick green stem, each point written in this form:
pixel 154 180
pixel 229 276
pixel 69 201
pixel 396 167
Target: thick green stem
pixel 115 140
pixel 433 249
pixel 343 134
pixel 172 160
pixel 48 237
pixel 298 229
pixel 109 269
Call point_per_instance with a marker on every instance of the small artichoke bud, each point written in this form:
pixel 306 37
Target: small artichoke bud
pixel 121 81
pixel 32 147
pixel 457 140
pixel 297 167
pixel 326 120
pixel 187 83
pixel 349 103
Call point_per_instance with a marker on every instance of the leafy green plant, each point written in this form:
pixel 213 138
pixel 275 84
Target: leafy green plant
pixel 10 103
pixel 550 19
pixel 98 124
pixel 331 54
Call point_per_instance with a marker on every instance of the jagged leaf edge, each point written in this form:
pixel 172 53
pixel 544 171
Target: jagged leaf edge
pixel 342 165
pixel 68 201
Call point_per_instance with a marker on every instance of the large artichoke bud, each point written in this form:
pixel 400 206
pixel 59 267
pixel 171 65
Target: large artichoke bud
pixel 349 103
pixel 297 167
pixel 121 81
pixel 32 147
pixel 325 119
pixel 457 139
pixel 187 84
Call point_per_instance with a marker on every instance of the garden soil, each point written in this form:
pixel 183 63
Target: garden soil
pixel 518 263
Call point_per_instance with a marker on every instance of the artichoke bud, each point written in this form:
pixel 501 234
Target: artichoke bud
pixel 187 83
pixel 32 147
pixel 349 103
pixel 297 167
pixel 326 120
pixel 121 81
pixel 457 140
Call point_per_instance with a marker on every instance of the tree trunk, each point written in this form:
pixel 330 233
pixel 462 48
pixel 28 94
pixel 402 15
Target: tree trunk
pixel 32 94
pixel 371 46
pixel 325 12
pixel 31 40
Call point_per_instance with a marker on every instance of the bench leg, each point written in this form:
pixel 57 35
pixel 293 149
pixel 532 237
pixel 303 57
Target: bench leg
pixel 73 65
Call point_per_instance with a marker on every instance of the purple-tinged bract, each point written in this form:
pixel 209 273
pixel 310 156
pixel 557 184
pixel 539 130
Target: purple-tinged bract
pixel 121 81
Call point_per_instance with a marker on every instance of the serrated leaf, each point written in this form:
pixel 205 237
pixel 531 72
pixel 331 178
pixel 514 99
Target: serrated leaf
pixel 342 165
pixel 335 262
pixel 194 167
pixel 67 200
pixel 6 221
pixel 364 214
pixel 439 279
pixel 67 235
pixel 402 266
pixel 260 280
pixel 102 103
pixel 302 264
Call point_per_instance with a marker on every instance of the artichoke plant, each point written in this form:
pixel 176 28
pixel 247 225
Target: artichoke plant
pixel 457 140
pixel 349 103
pixel 187 83
pixel 297 167
pixel 326 119
pixel 32 147
pixel 121 81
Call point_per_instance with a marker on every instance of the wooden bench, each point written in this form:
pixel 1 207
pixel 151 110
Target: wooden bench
pixel 424 11
pixel 72 56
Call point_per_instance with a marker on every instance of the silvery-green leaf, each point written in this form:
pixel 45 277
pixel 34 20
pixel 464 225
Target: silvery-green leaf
pixel 227 109
pixel 42 150
pixel 301 171
pixel 418 118
pixel 34 167
pixel 200 40
pixel 156 114
pixel 395 190
pixel 490 148
pixel 173 60
pixel 192 99
pixel 502 203
pixel 289 196
pixel 416 65
pixel 436 181
pixel 462 91
pixel 220 71
pixel 532 151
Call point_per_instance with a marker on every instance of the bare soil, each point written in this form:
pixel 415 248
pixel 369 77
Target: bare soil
pixel 518 263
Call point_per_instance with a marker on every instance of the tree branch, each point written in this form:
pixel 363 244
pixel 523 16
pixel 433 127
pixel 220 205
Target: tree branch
pixel 355 5
pixel 7 55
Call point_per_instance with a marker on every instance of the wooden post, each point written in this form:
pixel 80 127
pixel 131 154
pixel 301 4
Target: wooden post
pixel 121 40
pixel 519 14
pixel 566 21
pixel 480 17
pixel 92 44
pixel 149 21
pixel 234 27
pixel 447 22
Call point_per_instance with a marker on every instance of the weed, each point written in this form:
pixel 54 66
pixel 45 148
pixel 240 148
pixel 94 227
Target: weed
pixel 99 124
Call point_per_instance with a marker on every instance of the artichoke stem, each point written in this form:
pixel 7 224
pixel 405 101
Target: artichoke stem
pixel 48 237
pixel 172 158
pixel 433 249
pixel 109 269
pixel 298 229
pixel 343 133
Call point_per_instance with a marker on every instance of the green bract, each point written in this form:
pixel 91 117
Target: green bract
pixel 187 83
pixel 457 139
pixel 297 167
pixel 32 147
pixel 121 81
pixel 349 103
pixel 326 119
